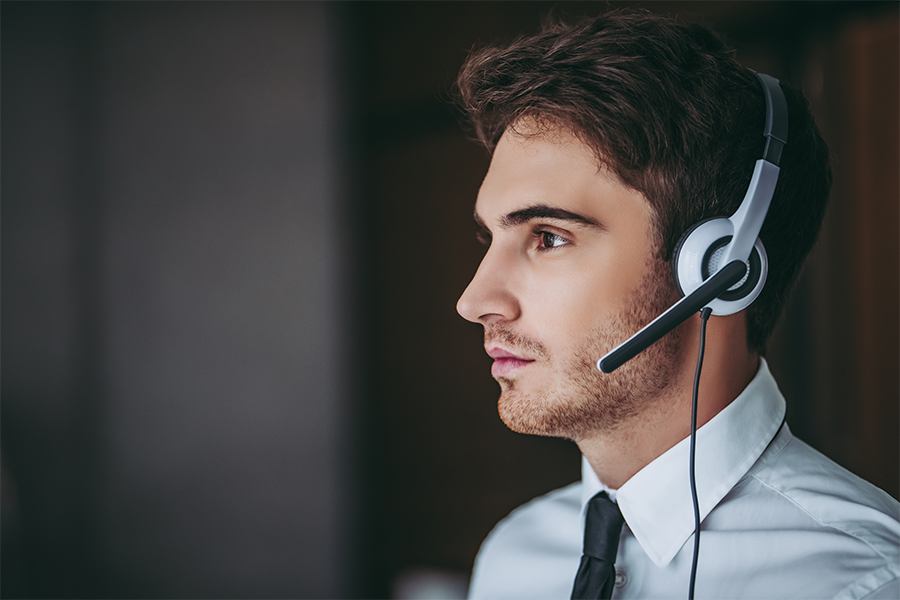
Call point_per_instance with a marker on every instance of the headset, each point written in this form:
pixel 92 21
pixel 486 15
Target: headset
pixel 709 244
pixel 720 266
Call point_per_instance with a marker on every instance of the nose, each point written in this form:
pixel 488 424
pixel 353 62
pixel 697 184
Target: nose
pixel 488 296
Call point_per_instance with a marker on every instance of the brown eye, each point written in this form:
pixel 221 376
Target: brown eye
pixel 550 241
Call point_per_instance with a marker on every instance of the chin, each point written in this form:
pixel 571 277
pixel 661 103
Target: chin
pixel 533 414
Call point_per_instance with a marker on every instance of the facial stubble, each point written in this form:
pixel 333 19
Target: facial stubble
pixel 581 400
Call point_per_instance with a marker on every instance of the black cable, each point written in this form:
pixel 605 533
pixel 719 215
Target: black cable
pixel 704 317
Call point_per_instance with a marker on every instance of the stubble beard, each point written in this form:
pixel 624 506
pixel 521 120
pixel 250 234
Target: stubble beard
pixel 582 401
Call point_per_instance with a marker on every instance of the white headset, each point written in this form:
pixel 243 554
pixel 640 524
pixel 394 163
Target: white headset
pixel 721 262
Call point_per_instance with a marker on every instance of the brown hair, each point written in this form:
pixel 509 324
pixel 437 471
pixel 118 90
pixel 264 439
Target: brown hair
pixel 667 108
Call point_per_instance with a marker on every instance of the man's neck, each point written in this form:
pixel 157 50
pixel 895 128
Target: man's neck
pixel 617 455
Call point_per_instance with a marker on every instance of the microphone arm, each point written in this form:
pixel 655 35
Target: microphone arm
pixel 676 314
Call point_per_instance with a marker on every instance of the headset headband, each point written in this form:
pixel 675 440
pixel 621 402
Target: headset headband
pixel 776 129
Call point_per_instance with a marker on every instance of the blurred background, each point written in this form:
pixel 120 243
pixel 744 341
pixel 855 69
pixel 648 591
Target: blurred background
pixel 233 236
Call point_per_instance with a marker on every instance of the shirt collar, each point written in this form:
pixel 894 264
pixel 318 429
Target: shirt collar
pixel 656 502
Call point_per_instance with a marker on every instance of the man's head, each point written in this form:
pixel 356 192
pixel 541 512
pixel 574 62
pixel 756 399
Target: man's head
pixel 635 126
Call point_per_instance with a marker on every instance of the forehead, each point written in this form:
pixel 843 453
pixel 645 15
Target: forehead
pixel 553 167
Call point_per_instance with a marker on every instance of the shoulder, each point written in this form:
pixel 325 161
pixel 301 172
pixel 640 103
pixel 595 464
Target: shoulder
pixel 536 533
pixel 830 495
pixel 540 518
pixel 854 522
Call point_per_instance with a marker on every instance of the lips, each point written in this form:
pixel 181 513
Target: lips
pixel 506 362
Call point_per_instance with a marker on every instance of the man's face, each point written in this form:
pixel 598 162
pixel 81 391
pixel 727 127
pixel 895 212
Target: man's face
pixel 569 274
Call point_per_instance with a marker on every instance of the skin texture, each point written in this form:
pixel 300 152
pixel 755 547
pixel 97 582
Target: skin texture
pixel 563 293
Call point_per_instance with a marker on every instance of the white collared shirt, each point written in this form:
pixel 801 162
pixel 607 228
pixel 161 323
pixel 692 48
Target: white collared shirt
pixel 778 520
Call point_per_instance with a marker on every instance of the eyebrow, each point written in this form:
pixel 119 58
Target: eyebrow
pixel 539 211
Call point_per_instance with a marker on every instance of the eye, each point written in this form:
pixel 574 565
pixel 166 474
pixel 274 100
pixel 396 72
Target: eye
pixel 549 240
pixel 483 238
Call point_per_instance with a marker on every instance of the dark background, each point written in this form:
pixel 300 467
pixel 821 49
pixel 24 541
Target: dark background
pixel 233 236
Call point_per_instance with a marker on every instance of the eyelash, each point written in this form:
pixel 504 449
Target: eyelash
pixel 537 234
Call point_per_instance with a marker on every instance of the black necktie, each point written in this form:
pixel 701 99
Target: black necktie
pixel 596 573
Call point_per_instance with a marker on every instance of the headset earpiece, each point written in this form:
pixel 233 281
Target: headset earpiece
pixel 698 255
pixel 677 252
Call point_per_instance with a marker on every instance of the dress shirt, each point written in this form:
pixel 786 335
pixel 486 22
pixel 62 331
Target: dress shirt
pixel 778 520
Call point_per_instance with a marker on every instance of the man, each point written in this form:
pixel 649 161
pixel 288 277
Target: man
pixel 609 138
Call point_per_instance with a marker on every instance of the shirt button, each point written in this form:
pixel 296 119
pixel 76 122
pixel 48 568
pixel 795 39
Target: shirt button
pixel 621 578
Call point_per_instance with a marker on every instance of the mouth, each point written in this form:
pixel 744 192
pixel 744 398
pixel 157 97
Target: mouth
pixel 506 362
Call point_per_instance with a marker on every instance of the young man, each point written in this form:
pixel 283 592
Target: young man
pixel 609 139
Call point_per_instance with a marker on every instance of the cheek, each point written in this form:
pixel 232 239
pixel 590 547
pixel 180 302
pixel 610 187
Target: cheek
pixel 575 294
pixel 571 304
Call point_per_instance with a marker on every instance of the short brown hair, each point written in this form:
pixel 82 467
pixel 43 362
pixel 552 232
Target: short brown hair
pixel 667 108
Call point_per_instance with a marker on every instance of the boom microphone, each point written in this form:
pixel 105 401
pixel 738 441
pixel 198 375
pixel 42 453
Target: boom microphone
pixel 726 277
